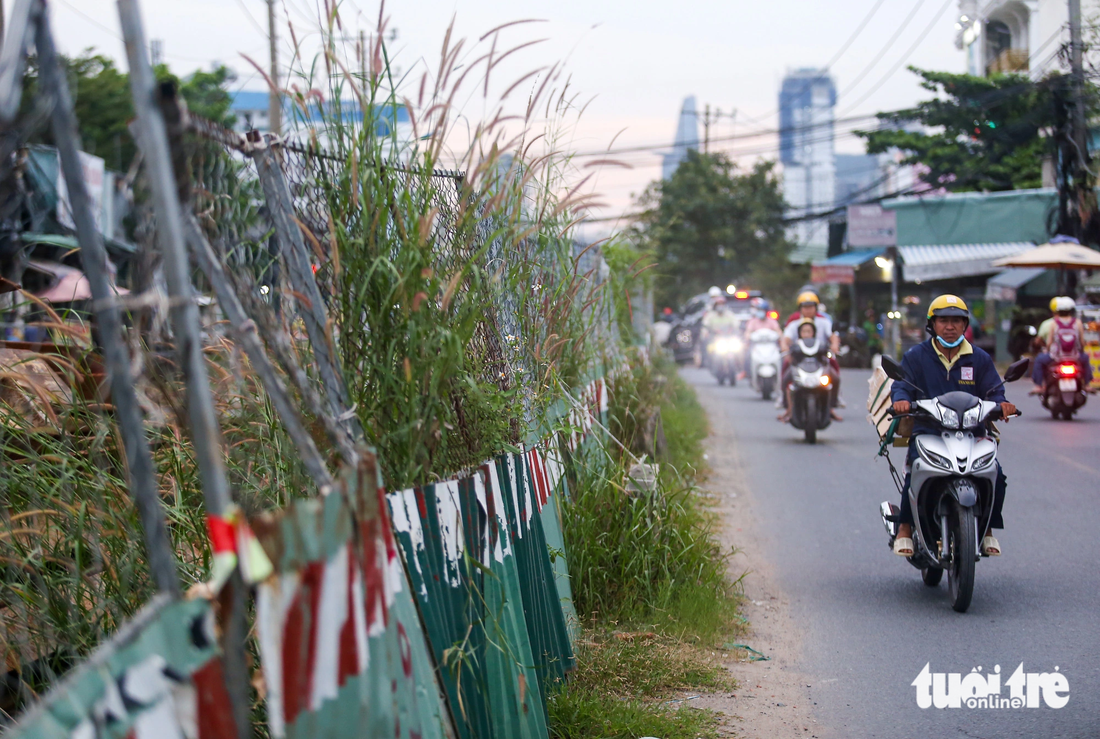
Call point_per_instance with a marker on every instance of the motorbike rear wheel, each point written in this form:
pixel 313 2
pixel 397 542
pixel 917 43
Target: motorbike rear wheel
pixel 1067 415
pixel 766 384
pixel 931 576
pixel 963 546
pixel 809 426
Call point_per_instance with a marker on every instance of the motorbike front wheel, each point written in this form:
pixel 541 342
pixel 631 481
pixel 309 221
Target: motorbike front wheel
pixel 931 576
pixel 964 545
pixel 810 425
pixel 766 384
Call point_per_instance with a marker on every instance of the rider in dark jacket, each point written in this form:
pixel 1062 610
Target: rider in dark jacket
pixel 944 363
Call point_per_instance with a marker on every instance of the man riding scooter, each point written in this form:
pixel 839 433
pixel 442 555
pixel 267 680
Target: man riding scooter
pixel 944 363
pixel 1063 337
pixel 717 322
pixel 759 320
pixel 807 307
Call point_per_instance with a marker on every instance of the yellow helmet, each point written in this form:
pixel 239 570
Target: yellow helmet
pixel 1054 305
pixel 807 297
pixel 947 305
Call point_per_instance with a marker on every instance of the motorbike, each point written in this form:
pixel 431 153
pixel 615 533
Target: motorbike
pixel 722 353
pixel 764 361
pixel 951 490
pixel 1064 389
pixel 811 387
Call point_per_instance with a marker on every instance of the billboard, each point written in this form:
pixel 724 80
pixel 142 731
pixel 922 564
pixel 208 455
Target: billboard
pixel 872 225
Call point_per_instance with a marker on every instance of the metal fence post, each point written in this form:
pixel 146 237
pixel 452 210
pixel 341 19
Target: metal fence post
pixel 108 314
pixel 245 330
pixel 280 203
pixel 205 432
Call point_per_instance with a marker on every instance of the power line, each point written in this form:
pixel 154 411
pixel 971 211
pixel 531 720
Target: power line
pixel 904 58
pixel 836 57
pixel 252 18
pixel 732 137
pixel 885 48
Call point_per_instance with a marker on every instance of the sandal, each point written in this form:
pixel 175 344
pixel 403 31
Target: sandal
pixel 903 547
pixel 991 547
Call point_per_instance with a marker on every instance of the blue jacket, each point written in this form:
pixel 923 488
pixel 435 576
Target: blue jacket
pixel 971 373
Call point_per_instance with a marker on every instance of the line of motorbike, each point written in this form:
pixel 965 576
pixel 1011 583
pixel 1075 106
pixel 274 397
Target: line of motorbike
pixel 726 354
pixel 953 477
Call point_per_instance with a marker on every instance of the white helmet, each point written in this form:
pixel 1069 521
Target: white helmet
pixel 1065 304
pixel 714 292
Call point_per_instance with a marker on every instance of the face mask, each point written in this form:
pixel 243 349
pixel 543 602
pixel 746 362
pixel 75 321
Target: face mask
pixel 951 345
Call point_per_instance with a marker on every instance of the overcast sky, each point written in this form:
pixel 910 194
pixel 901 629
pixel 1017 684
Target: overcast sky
pixel 634 59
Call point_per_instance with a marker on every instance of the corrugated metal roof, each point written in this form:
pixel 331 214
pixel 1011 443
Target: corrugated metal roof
pixel 1016 277
pixel 808 253
pixel 947 261
pixel 853 258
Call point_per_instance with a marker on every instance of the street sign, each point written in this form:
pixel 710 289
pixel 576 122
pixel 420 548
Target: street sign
pixel 872 225
pixel 840 274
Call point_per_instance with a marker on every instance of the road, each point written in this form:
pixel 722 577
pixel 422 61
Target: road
pixel 869 624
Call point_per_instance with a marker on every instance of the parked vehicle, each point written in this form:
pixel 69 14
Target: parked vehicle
pixel 764 361
pixel 952 484
pixel 811 388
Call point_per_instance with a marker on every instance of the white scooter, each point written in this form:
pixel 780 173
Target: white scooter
pixel 764 361
pixel 951 491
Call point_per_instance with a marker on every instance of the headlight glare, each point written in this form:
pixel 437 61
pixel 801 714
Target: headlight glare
pixel 937 460
pixel 984 461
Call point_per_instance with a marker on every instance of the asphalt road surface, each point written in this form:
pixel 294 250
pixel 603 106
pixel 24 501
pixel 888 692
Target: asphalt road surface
pixel 870 625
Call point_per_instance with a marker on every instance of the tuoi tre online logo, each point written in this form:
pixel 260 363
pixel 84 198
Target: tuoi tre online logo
pixel 984 690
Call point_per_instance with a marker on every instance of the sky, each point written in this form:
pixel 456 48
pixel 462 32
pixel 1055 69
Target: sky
pixel 630 62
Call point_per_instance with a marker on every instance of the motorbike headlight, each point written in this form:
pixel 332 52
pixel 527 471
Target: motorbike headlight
pixel 984 461
pixel 937 460
pixel 949 418
pixel 735 344
pixel 684 337
pixel 971 417
pixel 811 379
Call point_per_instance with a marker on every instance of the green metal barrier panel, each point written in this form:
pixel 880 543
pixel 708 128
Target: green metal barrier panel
pixel 158 678
pixel 488 592
pixel 342 650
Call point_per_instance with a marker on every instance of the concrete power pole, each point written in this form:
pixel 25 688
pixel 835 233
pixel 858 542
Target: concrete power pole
pixel 274 103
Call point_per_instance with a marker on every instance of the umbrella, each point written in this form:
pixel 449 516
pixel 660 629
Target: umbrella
pixel 1065 255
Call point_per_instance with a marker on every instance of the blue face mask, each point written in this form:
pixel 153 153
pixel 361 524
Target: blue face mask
pixel 952 344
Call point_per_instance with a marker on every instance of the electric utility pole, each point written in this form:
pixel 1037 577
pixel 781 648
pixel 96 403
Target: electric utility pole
pixel 274 102
pixel 709 119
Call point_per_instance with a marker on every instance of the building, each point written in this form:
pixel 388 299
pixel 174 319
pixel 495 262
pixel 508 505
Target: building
pixel 807 100
pixel 858 177
pixel 251 111
pixel 1015 35
pixel 687 137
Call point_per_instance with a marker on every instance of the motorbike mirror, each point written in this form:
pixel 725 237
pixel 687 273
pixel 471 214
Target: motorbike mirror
pixel 1016 370
pixel 892 369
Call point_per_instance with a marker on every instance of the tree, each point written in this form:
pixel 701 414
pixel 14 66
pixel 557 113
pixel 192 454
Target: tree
pixel 709 224
pixel 979 133
pixel 104 109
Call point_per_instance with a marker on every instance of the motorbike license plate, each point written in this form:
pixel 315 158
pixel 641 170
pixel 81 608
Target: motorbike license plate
pixel 1067 386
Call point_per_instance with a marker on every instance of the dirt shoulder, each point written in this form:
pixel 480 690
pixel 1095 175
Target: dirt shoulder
pixel 771 699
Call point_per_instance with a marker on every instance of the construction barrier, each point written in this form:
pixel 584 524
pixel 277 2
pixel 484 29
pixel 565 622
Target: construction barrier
pixel 160 677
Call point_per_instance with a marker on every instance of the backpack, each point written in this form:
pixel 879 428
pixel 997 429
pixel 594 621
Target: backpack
pixel 1063 343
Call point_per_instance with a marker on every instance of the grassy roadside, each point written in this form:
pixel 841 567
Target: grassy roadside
pixel 649 578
